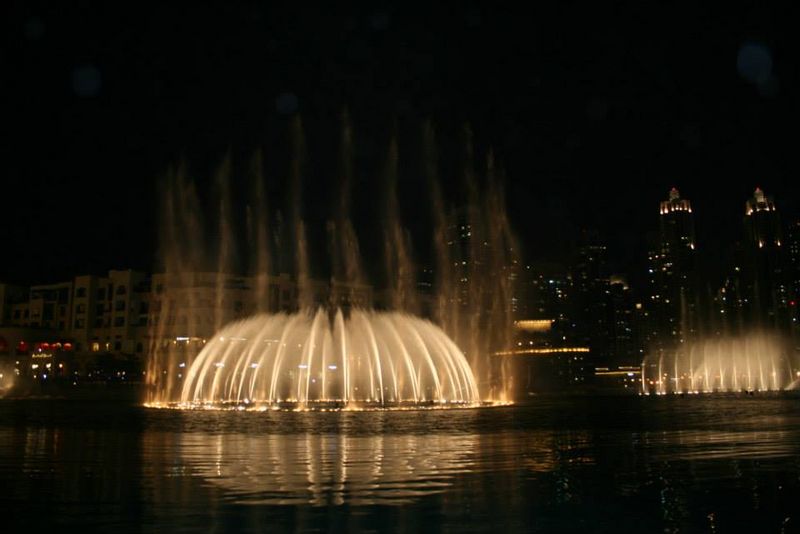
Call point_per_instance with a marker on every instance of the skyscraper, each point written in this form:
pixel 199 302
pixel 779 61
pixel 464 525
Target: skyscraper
pixel 672 273
pixel 793 243
pixel 592 310
pixel 765 277
pixel 625 349
pixel 762 223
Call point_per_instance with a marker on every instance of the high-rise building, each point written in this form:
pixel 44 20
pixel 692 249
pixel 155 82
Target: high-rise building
pixel 765 274
pixel 546 354
pixel 468 254
pixel 672 274
pixel 592 311
pixel 731 299
pixel 762 223
pixel 793 243
pixel 625 346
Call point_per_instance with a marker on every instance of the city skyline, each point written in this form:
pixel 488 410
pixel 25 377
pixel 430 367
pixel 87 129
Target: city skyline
pixel 586 303
pixel 711 263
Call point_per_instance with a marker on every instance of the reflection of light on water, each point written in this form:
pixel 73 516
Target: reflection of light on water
pixel 322 406
pixel 720 445
pixel 324 469
pixel 6 382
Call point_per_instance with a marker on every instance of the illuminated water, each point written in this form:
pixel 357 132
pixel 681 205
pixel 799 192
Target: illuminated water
pixel 319 358
pixel 753 362
pixel 640 464
pixel 229 254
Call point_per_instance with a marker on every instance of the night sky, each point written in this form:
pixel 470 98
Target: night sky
pixel 595 112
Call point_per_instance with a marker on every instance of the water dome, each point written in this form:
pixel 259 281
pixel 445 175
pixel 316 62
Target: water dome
pixel 326 358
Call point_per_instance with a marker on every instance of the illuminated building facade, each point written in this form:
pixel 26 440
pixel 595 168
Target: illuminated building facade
pixel 124 310
pixel 49 306
pixel 10 296
pixel 547 293
pixel 546 354
pixel 793 246
pixel 672 301
pixel 625 337
pixel 765 273
pixel 541 360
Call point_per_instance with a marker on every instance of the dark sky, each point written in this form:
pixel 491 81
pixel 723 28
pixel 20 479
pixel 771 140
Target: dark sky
pixel 594 111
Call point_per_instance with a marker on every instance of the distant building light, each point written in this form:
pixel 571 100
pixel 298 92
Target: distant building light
pixel 617 373
pixel 534 325
pixel 549 350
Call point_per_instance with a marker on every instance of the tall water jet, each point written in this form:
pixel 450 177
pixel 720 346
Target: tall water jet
pixel 181 255
pixel 504 261
pixel 259 234
pixel 474 277
pixel 399 266
pixel 305 296
pixel 344 248
pixel 198 355
pixel 477 261
pixel 444 312
pixel 225 243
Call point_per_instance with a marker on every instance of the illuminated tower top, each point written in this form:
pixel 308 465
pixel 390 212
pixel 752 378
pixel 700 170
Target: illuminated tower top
pixel 759 202
pixel 672 269
pixel 762 223
pixel 675 203
pixel 677 223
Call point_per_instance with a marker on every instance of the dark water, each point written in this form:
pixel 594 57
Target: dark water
pixel 568 465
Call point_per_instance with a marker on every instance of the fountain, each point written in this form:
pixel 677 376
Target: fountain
pixel 755 362
pixel 233 329
pixel 312 360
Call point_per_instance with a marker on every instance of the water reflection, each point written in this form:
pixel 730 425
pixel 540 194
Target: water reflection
pixel 618 466
pixel 692 445
pixel 51 473
pixel 323 469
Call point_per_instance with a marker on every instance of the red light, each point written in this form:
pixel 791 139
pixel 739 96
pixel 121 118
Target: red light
pixel 792 303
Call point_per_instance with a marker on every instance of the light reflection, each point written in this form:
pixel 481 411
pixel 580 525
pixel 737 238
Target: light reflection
pixel 328 469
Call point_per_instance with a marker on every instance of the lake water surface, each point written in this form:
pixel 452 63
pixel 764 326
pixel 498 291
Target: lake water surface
pixel 697 464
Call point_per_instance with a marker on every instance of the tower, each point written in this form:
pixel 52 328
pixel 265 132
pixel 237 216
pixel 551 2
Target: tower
pixel 672 270
pixel 592 307
pixel 765 278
